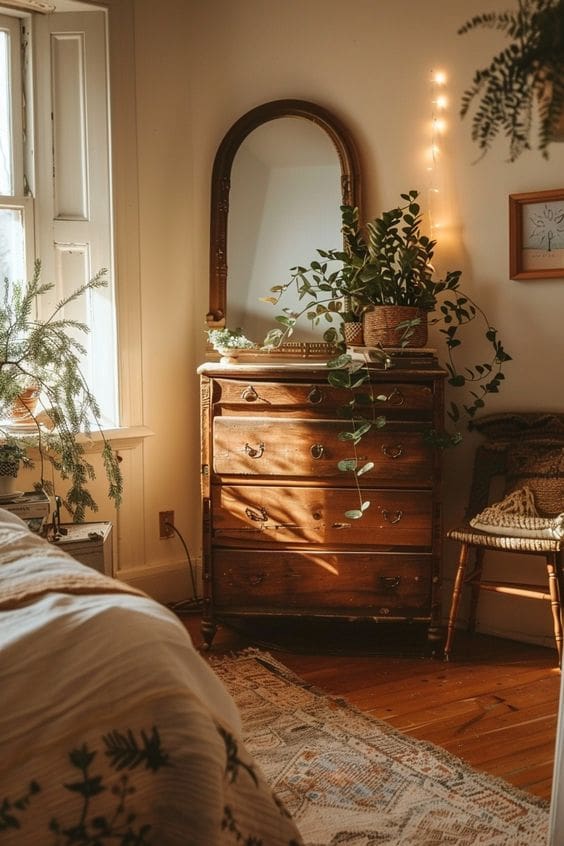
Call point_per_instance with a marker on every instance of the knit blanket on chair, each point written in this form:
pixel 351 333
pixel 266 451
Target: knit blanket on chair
pixel 517 515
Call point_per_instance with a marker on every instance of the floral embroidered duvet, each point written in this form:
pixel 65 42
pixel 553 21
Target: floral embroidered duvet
pixel 113 729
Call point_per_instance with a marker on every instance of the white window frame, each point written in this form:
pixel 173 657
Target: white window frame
pixel 73 210
pixel 11 25
pixel 62 178
pixel 19 198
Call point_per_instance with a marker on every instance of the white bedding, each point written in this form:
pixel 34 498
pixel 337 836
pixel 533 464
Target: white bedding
pixel 112 728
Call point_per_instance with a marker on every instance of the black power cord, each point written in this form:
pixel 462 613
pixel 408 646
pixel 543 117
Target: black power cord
pixel 186 606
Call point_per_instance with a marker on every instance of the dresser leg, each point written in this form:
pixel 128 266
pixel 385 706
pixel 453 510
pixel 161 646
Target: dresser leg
pixel 209 629
pixel 435 638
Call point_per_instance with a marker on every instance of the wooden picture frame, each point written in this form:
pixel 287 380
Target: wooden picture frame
pixel 536 235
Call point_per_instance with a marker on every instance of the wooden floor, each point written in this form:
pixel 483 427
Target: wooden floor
pixel 493 705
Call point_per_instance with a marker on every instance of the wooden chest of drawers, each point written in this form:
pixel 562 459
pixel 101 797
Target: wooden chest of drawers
pixel 276 538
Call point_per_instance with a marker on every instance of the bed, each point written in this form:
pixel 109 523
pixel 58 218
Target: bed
pixel 113 729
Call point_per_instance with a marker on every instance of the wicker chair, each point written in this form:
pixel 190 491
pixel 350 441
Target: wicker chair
pixel 527 450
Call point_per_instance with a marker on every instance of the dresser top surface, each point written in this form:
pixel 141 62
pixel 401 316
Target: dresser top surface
pixel 402 367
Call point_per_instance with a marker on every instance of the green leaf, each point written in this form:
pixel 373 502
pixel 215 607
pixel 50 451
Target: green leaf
pixel 338 378
pixel 354 514
pixel 341 361
pixel 363 429
pixel 365 468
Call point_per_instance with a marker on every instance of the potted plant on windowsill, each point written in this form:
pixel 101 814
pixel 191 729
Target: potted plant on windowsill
pixel 11 456
pixel 44 353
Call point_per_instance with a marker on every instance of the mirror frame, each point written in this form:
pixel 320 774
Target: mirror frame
pixel 221 185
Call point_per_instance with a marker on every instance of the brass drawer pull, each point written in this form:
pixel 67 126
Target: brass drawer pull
pixel 395 398
pixel 315 396
pixel 256 579
pixel 390 584
pixel 249 394
pixel 392 451
pixel 317 451
pixel 341 526
pixel 397 515
pixel 254 453
pixel 257 513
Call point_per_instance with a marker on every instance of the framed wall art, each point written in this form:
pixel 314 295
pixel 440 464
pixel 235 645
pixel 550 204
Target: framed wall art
pixel 536 235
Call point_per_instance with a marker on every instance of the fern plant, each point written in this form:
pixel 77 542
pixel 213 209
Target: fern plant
pixel 529 70
pixel 45 352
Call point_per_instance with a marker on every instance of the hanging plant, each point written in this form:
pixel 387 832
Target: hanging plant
pixel 529 70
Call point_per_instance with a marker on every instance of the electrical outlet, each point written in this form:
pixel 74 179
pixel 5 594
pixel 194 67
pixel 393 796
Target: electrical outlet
pixel 166 520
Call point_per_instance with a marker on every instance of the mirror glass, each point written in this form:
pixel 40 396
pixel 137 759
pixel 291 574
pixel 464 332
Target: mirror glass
pixel 284 203
pixel 279 177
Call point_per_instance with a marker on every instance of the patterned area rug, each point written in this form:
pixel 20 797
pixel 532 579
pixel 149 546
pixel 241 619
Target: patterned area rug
pixel 351 780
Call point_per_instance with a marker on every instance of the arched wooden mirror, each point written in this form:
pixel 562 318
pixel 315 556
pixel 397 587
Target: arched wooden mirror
pixel 279 178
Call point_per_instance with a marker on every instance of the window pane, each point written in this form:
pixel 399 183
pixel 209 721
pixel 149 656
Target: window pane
pixel 6 182
pixel 12 244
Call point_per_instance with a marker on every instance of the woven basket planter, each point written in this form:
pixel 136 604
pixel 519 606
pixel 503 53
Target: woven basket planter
pixel 380 326
pixel 8 477
pixel 353 334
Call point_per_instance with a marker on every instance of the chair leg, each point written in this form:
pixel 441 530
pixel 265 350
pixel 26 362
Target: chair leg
pixel 455 602
pixel 555 602
pixel 476 579
pixel 559 559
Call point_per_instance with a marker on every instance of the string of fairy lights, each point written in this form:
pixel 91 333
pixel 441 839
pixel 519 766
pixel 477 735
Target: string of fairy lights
pixel 439 104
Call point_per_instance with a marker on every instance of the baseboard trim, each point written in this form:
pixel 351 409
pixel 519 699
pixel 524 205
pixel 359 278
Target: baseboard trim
pixel 166 582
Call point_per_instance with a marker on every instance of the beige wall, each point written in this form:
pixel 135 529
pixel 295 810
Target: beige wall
pixel 199 66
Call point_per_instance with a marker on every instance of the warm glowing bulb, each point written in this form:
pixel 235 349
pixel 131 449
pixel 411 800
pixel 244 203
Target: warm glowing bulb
pixel 441 102
pixel 435 150
pixel 439 124
pixel 439 78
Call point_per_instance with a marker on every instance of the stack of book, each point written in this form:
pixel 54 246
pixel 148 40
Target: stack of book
pixel 395 357
pixel 32 506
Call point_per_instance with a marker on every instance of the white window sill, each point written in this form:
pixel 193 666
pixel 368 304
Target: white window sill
pixel 123 437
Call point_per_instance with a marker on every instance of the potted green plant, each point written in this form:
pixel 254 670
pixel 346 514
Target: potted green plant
pixel 44 353
pixel 389 265
pixel 11 455
pixel 398 289
pixel 529 69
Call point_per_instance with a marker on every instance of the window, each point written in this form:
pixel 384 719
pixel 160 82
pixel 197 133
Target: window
pixel 55 178
pixel 14 206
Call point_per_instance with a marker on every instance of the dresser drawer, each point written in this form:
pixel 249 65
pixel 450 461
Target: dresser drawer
pixel 253 514
pixel 317 397
pixel 270 446
pixel 378 584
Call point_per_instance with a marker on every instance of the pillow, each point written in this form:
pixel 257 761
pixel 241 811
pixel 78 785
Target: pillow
pixel 538 465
